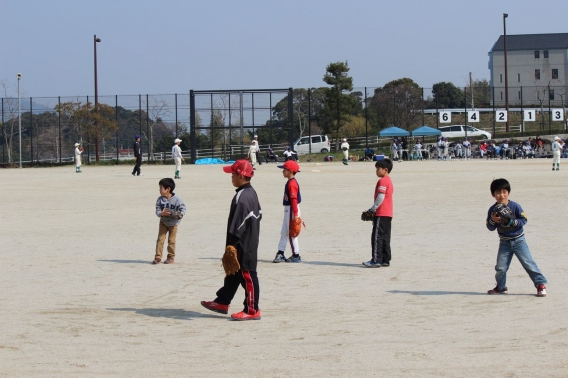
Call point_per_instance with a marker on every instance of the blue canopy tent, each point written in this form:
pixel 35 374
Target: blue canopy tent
pixel 393 131
pixel 426 131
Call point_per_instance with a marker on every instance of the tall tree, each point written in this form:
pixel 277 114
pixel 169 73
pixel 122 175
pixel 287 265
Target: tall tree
pixel 398 103
pixel 338 106
pixel 447 96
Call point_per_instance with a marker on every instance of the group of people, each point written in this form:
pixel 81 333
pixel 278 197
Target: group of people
pixel 253 154
pixel 242 234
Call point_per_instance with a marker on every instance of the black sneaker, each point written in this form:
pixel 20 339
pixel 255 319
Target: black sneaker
pixel 385 264
pixel 497 291
pixel 294 259
pixel 279 258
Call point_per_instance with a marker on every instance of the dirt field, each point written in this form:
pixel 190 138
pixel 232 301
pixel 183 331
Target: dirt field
pixel 79 296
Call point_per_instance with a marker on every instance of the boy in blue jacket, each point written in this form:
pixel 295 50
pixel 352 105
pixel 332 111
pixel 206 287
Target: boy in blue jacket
pixel 512 240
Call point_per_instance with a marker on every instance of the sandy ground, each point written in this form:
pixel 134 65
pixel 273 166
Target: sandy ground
pixel 79 297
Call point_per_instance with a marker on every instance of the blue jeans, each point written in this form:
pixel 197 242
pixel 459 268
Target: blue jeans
pixel 519 248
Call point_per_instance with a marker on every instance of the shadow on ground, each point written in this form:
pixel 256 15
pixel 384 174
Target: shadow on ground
pixel 171 313
pixel 432 292
pixel 128 261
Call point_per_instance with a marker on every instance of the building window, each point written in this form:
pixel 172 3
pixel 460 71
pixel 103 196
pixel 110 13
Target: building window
pixel 518 78
pixel 501 95
pixel 519 95
pixel 551 94
pixel 537 54
pixel 537 74
pixel 545 53
pixel 500 78
pixel 555 73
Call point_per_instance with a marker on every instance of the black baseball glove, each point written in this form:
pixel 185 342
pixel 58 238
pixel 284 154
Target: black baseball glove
pixel 506 214
pixel 367 216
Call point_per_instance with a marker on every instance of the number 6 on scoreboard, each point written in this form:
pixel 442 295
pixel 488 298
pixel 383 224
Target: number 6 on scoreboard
pixel 445 117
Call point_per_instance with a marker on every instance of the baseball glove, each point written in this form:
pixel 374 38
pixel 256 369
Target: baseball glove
pixel 367 216
pixel 506 214
pixel 230 260
pixel 296 227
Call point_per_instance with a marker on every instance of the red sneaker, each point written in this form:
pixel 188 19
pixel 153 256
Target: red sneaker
pixel 497 291
pixel 216 307
pixel 244 316
pixel 169 261
pixel 541 290
pixel 156 261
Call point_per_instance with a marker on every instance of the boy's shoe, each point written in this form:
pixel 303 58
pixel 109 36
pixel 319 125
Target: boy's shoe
pixel 497 291
pixel 294 259
pixel 169 261
pixel 385 264
pixel 279 258
pixel 216 307
pixel 177 177
pixel 541 290
pixel 372 264
pixel 244 316
pixel 156 261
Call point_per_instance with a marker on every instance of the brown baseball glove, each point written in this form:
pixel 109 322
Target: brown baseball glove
pixel 230 260
pixel 295 227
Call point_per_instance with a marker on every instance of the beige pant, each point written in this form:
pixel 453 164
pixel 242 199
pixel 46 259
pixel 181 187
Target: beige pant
pixel 172 232
pixel 177 160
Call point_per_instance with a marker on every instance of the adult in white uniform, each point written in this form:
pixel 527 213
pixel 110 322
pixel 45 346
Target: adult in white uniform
pixel 252 153
pixel 78 152
pixel 257 150
pixel 556 148
pixel 176 155
pixel 345 149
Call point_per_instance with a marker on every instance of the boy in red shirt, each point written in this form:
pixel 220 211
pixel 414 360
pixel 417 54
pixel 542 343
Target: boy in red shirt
pixel 383 210
pixel 292 199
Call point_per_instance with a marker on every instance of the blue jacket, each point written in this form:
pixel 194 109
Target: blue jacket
pixel 515 230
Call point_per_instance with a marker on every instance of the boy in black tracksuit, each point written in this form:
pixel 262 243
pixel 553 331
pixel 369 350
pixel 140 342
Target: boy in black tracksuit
pixel 243 230
pixel 137 155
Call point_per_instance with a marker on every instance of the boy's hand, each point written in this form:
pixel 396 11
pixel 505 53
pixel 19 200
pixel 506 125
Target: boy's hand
pixel 496 218
pixel 166 213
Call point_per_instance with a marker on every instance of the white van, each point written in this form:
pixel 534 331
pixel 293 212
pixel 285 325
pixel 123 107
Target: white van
pixel 458 131
pixel 320 143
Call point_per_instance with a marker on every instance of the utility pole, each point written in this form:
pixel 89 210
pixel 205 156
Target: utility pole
pixel 471 88
pixel 505 15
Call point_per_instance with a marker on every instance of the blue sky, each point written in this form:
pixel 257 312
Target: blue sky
pixel 172 46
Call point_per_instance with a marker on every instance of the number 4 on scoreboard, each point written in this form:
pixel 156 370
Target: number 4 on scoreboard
pixel 473 116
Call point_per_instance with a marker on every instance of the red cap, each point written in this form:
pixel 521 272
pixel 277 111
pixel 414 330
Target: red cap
pixel 290 165
pixel 241 167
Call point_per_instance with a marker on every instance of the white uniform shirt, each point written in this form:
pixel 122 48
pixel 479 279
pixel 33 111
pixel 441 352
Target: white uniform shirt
pixel 344 144
pixel 556 147
pixel 176 151
pixel 77 152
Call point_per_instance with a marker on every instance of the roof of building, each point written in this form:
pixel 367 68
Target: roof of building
pixel 533 42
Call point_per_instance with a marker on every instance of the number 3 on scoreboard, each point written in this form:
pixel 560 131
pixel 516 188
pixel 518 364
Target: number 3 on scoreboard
pixel 557 115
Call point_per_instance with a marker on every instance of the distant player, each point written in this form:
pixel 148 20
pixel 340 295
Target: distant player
pixel 252 153
pixel 556 149
pixel 177 156
pixel 137 155
pixel 78 152
pixel 345 149
pixel 467 148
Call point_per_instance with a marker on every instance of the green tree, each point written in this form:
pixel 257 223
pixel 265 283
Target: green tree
pixel 447 96
pixel 304 108
pixel 398 103
pixel 338 106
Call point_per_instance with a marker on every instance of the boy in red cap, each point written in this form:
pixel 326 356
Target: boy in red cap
pixel 292 199
pixel 243 229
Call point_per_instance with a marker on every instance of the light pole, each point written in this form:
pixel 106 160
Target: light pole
pixel 20 118
pixel 505 15
pixel 96 101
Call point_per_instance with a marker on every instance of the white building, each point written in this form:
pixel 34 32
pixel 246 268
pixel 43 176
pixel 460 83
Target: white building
pixel 537 67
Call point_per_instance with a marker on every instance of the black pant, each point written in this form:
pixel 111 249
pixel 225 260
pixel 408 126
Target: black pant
pixel 380 239
pixel 249 281
pixel 137 166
